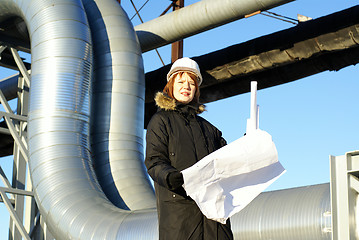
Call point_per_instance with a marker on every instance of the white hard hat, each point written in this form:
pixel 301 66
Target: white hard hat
pixel 185 65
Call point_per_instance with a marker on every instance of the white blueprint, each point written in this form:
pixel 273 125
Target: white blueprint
pixel 227 180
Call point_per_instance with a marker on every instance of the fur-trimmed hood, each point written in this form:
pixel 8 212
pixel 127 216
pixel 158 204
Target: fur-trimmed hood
pixel 167 103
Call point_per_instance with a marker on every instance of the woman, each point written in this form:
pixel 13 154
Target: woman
pixel 176 139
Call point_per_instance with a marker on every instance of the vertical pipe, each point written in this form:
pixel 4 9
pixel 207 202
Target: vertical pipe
pixel 117 109
pixel 254 108
pixel 252 122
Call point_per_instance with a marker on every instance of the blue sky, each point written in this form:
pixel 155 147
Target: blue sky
pixel 309 119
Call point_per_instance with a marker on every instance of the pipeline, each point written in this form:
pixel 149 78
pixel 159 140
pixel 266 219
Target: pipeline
pixel 196 18
pixel 297 213
pixel 117 108
pixel 65 185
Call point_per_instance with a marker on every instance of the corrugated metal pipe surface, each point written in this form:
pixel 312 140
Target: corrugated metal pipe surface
pixel 296 214
pixel 65 185
pixel 118 107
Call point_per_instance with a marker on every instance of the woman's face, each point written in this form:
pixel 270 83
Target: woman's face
pixel 184 87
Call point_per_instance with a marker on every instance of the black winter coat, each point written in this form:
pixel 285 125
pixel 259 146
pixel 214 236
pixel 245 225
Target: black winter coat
pixel 176 139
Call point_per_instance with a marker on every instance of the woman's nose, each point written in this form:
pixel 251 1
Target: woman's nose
pixel 187 85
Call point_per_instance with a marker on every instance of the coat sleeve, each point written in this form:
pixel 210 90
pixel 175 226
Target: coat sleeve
pixel 157 158
pixel 218 138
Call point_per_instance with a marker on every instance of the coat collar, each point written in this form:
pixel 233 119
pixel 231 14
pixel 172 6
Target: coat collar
pixel 167 103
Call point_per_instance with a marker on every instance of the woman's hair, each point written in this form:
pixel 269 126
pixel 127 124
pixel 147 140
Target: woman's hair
pixel 168 89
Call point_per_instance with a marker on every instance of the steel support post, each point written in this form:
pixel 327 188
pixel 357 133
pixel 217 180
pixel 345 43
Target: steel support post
pixel 9 117
pixel 344 185
pixel 177 47
pixel 13 214
pixel 20 159
pixel 21 66
pixel 17 127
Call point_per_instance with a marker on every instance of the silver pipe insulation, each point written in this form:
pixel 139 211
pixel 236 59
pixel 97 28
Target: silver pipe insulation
pixel 196 18
pixel 118 107
pixel 296 214
pixel 65 185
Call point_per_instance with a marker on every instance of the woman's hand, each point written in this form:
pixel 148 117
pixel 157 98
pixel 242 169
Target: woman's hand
pixel 175 179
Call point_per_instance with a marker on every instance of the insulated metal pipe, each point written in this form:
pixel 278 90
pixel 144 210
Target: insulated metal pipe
pixel 297 213
pixel 117 107
pixel 196 18
pixel 65 185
